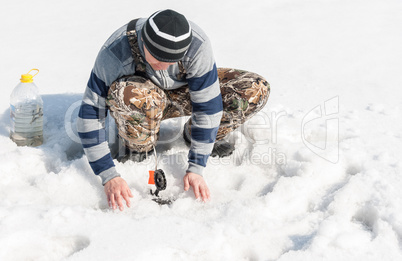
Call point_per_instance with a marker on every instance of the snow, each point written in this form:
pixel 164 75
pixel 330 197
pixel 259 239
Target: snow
pixel 316 175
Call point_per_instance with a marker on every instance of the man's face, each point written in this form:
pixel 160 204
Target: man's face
pixel 155 64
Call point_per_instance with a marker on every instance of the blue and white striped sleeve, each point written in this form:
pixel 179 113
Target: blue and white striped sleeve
pixel 93 112
pixel 207 107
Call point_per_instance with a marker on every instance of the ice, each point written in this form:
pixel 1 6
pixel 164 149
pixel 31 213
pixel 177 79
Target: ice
pixel 316 175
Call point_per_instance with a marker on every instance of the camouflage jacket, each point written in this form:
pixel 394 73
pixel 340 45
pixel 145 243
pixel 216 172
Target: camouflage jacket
pixel 115 60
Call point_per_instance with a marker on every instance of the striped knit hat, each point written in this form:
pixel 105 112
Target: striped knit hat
pixel 167 35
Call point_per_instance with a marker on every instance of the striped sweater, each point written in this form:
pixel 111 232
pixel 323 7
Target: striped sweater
pixel 114 61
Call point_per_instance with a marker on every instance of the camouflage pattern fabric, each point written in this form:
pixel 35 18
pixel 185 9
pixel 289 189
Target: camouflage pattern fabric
pixel 135 51
pixel 138 105
pixel 243 94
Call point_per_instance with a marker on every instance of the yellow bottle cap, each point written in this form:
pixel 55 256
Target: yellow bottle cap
pixel 28 77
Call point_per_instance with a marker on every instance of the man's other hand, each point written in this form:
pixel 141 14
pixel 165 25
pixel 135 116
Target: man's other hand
pixel 116 190
pixel 198 184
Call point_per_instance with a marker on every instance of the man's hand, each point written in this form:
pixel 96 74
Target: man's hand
pixel 198 184
pixel 115 190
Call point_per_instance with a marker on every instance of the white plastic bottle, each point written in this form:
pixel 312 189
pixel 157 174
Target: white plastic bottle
pixel 26 111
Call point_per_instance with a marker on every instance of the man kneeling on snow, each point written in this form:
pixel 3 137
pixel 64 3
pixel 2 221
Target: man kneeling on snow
pixel 158 68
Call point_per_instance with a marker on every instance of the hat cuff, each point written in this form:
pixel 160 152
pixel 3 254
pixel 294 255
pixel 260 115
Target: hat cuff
pixel 161 55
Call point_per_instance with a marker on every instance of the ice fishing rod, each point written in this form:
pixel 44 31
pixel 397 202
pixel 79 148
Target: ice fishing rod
pixel 157 178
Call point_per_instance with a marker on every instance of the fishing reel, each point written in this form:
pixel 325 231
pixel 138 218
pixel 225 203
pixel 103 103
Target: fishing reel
pixel 157 178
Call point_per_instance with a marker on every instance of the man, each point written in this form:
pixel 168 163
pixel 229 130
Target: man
pixel 158 68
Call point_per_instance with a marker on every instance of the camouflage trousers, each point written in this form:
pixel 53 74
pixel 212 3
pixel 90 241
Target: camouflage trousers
pixel 138 105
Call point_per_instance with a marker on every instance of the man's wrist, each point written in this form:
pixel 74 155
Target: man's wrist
pixel 195 168
pixel 108 174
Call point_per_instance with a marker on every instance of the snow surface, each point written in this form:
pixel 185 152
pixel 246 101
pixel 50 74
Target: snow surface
pixel 316 175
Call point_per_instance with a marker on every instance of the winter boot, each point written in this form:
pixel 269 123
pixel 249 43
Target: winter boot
pixel 221 148
pixel 126 154
pixel 133 156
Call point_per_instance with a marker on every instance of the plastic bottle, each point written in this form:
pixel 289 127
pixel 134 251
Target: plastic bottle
pixel 26 111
